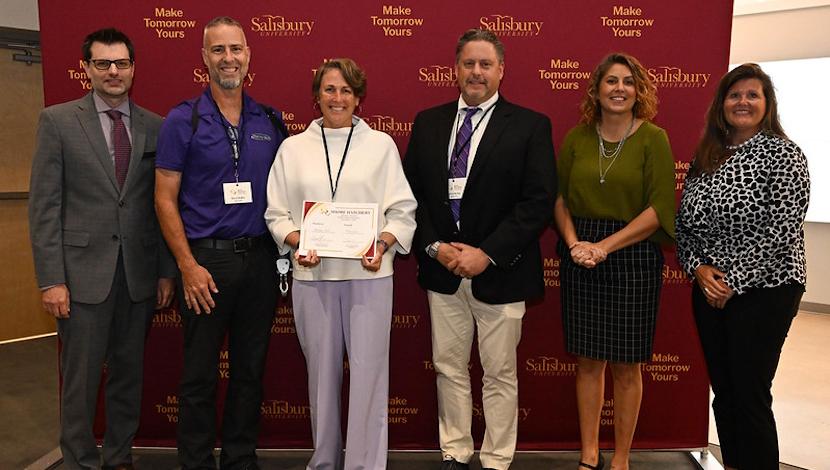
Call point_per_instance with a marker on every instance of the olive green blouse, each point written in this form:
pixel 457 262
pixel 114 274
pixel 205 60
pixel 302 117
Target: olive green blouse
pixel 641 176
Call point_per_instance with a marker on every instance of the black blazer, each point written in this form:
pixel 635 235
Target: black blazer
pixel 507 203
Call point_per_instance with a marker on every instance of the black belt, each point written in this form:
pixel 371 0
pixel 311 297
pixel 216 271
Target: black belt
pixel 238 245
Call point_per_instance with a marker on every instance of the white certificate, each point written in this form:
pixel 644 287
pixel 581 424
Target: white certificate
pixel 339 229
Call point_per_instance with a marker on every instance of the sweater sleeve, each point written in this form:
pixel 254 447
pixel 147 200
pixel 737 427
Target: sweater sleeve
pixel 278 216
pixel 399 204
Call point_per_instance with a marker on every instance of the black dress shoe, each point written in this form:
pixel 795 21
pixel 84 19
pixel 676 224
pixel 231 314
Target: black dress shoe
pixel 452 464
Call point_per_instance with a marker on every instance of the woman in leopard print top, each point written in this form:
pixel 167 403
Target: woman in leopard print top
pixel 740 234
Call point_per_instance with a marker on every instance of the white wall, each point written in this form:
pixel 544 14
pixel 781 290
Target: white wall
pixel 789 34
pixel 818 264
pixel 21 14
pixel 792 34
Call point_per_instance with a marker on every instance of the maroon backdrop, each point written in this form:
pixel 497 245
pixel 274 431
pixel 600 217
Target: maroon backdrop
pixel 407 50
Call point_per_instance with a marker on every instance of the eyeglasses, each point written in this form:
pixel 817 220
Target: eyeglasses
pixel 105 64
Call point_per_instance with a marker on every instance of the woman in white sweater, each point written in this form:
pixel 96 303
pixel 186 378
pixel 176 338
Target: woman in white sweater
pixel 340 303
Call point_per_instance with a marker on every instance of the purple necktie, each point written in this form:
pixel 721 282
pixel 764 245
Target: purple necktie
pixel 459 162
pixel 121 146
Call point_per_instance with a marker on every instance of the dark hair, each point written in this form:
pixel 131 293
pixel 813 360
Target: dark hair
pixel 711 149
pixel 106 36
pixel 479 35
pixel 646 105
pixel 351 72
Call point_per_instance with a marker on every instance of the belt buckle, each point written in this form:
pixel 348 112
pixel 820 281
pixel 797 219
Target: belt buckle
pixel 241 245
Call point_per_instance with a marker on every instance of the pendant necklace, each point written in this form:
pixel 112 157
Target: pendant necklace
pixel 610 155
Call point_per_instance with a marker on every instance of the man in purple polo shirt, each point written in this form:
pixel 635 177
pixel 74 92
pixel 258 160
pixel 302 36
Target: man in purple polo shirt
pixel 214 155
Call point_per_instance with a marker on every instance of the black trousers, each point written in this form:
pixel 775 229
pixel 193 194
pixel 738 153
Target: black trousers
pixel 742 344
pixel 245 306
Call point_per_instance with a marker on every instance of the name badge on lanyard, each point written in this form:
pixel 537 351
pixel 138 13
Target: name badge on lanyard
pixel 238 192
pixel 456 187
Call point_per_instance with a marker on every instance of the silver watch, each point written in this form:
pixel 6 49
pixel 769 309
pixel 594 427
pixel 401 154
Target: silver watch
pixel 432 250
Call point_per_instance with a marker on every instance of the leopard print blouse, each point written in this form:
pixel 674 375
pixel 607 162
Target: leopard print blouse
pixel 747 217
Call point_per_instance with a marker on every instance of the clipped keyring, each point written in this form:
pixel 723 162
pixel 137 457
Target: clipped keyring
pixel 284 285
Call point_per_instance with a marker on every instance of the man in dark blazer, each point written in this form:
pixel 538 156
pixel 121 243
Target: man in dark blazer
pixel 100 261
pixel 483 172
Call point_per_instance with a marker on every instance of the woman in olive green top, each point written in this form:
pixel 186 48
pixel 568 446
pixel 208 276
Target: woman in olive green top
pixel 616 177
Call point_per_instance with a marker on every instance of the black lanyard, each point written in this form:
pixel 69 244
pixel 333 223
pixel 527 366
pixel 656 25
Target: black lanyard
pixel 233 140
pixel 232 133
pixel 335 183
pixel 456 149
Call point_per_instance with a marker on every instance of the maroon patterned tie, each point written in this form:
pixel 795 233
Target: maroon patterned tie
pixel 121 146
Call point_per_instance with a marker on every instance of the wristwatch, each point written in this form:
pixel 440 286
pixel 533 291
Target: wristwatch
pixel 432 250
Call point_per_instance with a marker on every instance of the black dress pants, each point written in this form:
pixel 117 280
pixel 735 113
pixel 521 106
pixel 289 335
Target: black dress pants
pixel 245 307
pixel 742 345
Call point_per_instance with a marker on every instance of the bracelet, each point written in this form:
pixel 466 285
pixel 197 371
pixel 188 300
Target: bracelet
pixel 385 245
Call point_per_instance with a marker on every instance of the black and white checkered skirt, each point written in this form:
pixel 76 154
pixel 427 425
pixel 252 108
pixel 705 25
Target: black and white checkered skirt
pixel 609 312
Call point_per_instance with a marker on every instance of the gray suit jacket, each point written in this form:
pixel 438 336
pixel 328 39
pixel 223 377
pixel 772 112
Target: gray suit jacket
pixel 78 217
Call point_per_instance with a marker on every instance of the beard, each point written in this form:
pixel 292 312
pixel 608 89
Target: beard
pixel 226 83
pixel 230 83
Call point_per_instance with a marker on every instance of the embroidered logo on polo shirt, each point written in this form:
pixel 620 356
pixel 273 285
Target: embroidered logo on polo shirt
pixel 261 137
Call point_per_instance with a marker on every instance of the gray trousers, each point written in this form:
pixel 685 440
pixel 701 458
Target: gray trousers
pixel 355 315
pixel 112 332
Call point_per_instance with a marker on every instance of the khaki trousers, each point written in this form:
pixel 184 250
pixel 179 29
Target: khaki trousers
pixel 455 319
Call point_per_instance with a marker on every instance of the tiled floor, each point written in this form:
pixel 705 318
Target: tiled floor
pixel 28 407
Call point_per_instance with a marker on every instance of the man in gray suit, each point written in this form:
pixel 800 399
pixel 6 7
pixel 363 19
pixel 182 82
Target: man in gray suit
pixel 100 262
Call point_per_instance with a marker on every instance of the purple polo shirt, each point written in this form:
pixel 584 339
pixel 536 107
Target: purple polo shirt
pixel 205 160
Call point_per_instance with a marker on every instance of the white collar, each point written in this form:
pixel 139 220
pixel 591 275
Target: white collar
pixel 485 105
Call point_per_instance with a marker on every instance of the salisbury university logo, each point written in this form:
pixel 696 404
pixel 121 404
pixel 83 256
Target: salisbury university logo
pixel 438 75
pixel 508 25
pixel 280 26
pixel 389 125
pixel 669 76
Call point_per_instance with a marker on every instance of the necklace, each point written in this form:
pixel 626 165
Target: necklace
pixel 744 143
pixel 613 154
